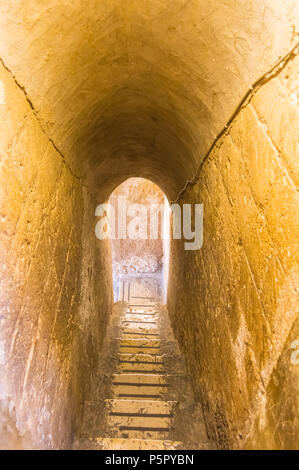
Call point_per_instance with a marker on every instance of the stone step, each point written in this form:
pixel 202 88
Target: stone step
pixel 142 306
pixel 139 379
pixel 127 334
pixel 140 407
pixel 139 386
pixel 144 342
pixel 140 318
pixel 141 312
pixel 140 367
pixel 139 444
pixel 144 419
pixel 145 323
pixel 140 358
pixel 140 423
pixel 139 391
pixel 140 323
pixel 102 443
pixel 139 349
pixel 148 313
pixel 142 433
pixel 142 330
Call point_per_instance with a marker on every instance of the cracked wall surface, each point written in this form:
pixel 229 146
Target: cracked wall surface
pixel 238 326
pixel 53 315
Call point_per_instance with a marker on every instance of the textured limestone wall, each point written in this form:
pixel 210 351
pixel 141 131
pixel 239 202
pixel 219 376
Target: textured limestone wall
pixel 234 303
pixel 50 330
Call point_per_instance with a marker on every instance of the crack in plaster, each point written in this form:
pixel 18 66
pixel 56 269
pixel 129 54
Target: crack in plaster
pixel 23 90
pixel 275 70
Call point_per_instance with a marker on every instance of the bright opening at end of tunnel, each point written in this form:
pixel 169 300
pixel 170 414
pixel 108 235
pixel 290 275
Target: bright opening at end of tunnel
pixel 140 248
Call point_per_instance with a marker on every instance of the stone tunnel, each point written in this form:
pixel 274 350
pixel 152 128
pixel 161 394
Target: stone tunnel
pixel 201 98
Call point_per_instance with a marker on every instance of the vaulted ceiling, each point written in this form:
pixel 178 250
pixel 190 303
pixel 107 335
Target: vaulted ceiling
pixel 140 87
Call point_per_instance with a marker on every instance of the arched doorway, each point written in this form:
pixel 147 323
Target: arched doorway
pixel 140 245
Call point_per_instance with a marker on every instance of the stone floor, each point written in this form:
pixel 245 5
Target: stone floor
pixel 142 398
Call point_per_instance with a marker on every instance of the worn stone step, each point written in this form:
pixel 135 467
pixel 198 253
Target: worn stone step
pixel 142 433
pixel 149 319
pixel 135 307
pixel 148 314
pixel 106 443
pixel 140 367
pixel 139 324
pixel 141 329
pixel 139 378
pixel 131 335
pixel 139 386
pixel 143 418
pixel 142 306
pixel 140 358
pixel 144 342
pixel 145 423
pixel 138 444
pixel 141 319
pixel 139 391
pixel 140 407
pixel 141 314
pixel 139 349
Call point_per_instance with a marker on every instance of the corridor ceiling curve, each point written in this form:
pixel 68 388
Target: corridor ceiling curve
pixel 140 87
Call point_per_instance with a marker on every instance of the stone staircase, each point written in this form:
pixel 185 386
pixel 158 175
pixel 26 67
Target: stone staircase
pixel 143 399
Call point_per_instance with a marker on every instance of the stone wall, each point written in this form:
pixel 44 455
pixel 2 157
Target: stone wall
pixel 234 303
pixel 53 310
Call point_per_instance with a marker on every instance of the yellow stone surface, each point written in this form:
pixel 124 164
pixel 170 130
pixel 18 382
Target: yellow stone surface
pixel 93 93
pixel 137 444
pixel 238 325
